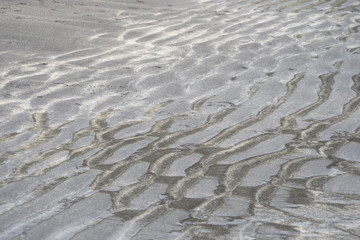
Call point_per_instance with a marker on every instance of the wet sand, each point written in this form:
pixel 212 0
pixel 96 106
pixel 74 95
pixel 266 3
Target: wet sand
pixel 146 119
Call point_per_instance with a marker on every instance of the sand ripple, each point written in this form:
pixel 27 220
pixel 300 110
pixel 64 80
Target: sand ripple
pixel 188 120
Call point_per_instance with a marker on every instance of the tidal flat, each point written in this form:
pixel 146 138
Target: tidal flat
pixel 190 119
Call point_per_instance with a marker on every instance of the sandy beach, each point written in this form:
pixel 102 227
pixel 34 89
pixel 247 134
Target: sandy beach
pixel 191 119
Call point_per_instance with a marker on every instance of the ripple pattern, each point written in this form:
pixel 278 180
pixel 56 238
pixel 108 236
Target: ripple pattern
pixel 192 120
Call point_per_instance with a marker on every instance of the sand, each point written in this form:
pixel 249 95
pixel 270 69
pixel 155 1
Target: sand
pixel 151 119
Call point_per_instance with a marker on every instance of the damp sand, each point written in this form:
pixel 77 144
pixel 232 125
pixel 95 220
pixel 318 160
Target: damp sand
pixel 197 119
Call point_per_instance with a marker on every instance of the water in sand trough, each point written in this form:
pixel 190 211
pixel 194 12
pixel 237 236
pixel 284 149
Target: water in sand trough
pixel 179 120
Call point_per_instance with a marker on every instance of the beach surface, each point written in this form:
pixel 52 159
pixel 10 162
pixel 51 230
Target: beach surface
pixel 191 119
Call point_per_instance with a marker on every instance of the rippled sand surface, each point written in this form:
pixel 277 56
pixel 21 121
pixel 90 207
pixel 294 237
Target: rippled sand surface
pixel 153 119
